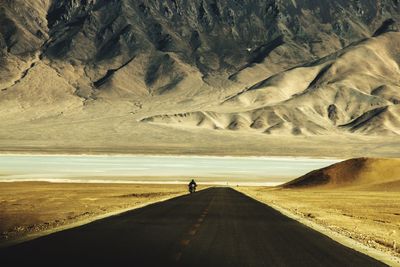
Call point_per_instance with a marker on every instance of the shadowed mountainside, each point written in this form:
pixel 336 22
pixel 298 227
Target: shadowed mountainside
pixel 361 173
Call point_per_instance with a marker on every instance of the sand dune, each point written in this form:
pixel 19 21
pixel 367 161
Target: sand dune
pixel 360 173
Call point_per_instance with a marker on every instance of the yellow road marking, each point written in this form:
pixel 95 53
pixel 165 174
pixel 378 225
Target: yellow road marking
pixel 192 232
pixel 185 242
pixel 178 256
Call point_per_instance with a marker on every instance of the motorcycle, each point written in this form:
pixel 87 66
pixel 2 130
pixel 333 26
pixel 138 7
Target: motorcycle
pixel 192 188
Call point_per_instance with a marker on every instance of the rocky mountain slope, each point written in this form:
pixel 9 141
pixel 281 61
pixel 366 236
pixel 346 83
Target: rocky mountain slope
pixel 299 67
pixel 353 90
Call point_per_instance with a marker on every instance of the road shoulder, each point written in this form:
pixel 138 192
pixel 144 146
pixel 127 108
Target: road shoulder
pixel 340 238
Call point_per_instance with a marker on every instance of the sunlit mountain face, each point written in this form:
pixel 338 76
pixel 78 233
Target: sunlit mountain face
pixel 299 67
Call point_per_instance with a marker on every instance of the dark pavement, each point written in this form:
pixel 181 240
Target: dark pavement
pixel 213 227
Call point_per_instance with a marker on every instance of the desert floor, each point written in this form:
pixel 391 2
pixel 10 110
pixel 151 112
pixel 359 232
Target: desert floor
pixel 370 217
pixel 29 209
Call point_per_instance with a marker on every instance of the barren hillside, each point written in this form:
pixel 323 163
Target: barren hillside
pixel 361 173
pixel 101 75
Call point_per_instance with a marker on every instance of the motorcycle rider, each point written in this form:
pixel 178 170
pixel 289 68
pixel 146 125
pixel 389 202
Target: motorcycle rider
pixel 193 185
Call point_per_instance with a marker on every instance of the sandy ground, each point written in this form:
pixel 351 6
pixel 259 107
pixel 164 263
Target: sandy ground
pixel 369 217
pixel 30 209
pixel 133 138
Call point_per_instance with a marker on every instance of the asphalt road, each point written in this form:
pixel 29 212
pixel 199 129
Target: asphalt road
pixel 213 227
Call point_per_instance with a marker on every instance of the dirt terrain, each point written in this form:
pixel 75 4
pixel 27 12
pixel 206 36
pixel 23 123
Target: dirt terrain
pixel 359 198
pixel 371 218
pixel 28 209
pixel 214 227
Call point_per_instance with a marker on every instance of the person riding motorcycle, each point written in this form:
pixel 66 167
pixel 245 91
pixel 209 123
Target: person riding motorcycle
pixel 192 186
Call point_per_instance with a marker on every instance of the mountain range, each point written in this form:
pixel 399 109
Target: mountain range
pixel 295 68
